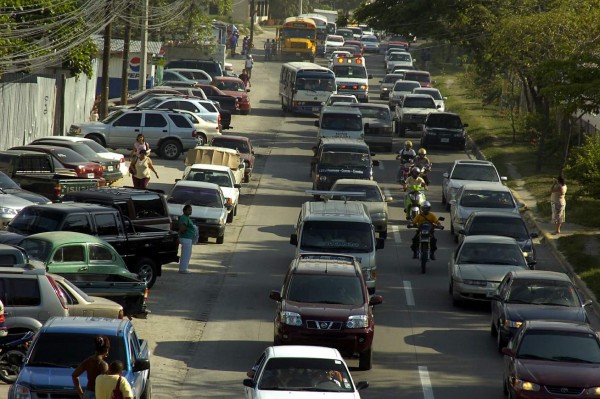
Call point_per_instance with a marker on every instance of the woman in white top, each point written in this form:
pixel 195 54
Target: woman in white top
pixel 142 167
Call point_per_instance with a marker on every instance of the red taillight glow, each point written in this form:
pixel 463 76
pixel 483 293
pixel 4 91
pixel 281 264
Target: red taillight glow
pixel 146 292
pixel 122 160
pixel 194 134
pixel 59 293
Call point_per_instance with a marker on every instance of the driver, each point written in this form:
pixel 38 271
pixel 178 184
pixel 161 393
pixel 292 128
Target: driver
pixel 425 216
pixel 407 154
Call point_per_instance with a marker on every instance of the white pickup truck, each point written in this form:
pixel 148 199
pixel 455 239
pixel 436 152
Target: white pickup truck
pixel 412 111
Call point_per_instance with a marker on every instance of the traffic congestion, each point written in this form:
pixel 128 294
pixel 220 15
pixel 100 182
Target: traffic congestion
pixel 323 230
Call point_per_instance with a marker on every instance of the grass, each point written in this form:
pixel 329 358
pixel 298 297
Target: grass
pixel 582 252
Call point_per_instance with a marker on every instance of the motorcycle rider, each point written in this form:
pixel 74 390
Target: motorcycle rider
pixel 425 216
pixel 405 155
pixel 423 162
pixel 414 181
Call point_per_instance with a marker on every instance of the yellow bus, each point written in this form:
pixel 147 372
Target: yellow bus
pixel 297 39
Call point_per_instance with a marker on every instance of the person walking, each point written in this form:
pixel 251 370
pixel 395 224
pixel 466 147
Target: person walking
pixel 112 380
pixel 233 43
pixel 249 65
pixel 187 232
pixel 139 145
pixel 245 45
pixel 245 78
pixel 558 202
pixel 267 50
pixel 93 366
pixel 141 170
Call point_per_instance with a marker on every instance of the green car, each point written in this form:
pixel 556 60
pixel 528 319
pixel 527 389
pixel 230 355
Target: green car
pixel 77 256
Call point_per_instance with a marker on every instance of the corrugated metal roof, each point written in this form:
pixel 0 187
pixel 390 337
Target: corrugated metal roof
pixel 116 45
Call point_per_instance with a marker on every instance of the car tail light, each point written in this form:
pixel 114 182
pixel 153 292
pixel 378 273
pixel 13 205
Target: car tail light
pixel 59 293
pixel 80 170
pixel 194 134
pixel 146 292
pixel 2 318
pixel 219 120
pixel 57 190
pixel 122 160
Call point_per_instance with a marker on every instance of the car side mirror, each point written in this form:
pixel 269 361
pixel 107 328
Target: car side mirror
pixel 317 123
pixel 588 303
pixel 380 243
pixel 444 98
pixel 534 235
pixel 503 178
pixel 237 185
pixel 375 162
pixel 532 264
pixel 294 239
pixel 248 383
pixel 375 300
pixel 461 231
pixel 141 365
pixel 275 295
pixel 388 199
pixel 362 385
pixel 508 352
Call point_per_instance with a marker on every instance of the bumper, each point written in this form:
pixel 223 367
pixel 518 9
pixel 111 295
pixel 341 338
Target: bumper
pixel 112 177
pixel 380 225
pixel 243 107
pixel 210 230
pixel 311 108
pixel 474 293
pixel 349 342
pixel 360 95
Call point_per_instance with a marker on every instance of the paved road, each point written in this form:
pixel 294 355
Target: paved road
pixel 207 328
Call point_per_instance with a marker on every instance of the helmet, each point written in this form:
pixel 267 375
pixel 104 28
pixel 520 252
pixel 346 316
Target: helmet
pixel 422 151
pixel 415 171
pixel 408 143
pixel 425 207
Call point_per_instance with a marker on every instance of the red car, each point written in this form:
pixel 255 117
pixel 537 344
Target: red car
pixel 234 87
pixel 549 359
pixel 67 159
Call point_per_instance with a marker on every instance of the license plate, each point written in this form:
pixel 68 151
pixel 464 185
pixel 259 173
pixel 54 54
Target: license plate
pixel 111 168
pixel 445 140
pixel 90 175
pixel 316 109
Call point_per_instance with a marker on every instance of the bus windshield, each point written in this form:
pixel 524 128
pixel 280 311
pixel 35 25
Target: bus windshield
pixel 315 84
pixel 298 33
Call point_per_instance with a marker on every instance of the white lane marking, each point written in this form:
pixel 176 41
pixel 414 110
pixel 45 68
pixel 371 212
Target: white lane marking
pixel 410 299
pixel 396 232
pixel 425 382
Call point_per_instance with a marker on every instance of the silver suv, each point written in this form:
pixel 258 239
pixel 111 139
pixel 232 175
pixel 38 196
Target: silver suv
pixel 205 109
pixel 170 132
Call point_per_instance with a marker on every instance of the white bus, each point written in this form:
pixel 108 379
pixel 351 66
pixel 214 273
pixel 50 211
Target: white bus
pixel 304 86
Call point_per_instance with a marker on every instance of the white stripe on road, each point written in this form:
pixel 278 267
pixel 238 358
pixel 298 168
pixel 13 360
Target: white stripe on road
pixel 425 382
pixel 396 232
pixel 410 299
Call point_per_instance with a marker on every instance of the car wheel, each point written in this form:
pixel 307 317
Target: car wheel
pixel 147 394
pixel 221 239
pixel 201 139
pixel 229 218
pixel 395 127
pixel 146 270
pixel 235 210
pixel 383 234
pixel 493 329
pixel 97 138
pixel 170 149
pixel 365 360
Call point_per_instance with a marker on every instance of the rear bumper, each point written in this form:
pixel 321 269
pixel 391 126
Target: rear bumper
pixel 349 342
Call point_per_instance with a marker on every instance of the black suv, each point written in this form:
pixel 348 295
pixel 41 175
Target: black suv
pixel 213 68
pixel 444 129
pixel 341 158
pixel 324 301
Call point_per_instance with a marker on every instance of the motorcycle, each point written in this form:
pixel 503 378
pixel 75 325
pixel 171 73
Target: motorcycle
pixel 12 356
pixel 424 171
pixel 413 200
pixel 406 166
pixel 425 237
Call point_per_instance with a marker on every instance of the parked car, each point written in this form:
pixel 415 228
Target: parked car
pixel 173 75
pixel 10 206
pixel 443 129
pixel 534 295
pixel 213 68
pixel 111 171
pixel 479 264
pixel 205 130
pixel 234 87
pixel 197 75
pixel 169 131
pixel 202 108
pixel 552 359
pixel 374 199
pixel 293 370
pixel 243 145
pixel 9 186
pixel 69 159
pixel 226 102
pixel 209 207
pixel 464 171
pixel 64 342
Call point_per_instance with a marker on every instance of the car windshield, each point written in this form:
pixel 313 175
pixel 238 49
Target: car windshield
pixel 418 102
pixel 475 172
pixel 350 71
pixel 501 226
pixel 444 121
pixel 419 77
pixel 337 237
pixel 392 78
pixel 240 146
pixel 559 346
pixel 7 182
pixel 315 84
pixel 405 86
pixel 334 121
pixel 326 289
pixel 433 93
pixel 486 253
pixel 487 199
pixel 305 374
pixel 344 159
pixel 36 248
pixel 231 85
pixel 220 178
pixel 371 39
pixel 68 350
pixel 372 193
pixel 97 148
pixel 376 113
pixel 195 196
pixel 32 221
pixel 543 292
pixel 399 57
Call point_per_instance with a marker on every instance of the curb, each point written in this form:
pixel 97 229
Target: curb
pixel 546 238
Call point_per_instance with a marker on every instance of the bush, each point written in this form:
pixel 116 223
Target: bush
pixel 584 167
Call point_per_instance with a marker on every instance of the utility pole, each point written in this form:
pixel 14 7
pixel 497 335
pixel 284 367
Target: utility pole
pixel 300 13
pixel 252 15
pixel 125 65
pixel 103 111
pixel 144 46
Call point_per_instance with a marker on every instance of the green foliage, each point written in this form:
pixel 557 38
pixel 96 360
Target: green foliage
pixel 584 166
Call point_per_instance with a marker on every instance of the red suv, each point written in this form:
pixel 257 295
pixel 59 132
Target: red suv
pixel 324 301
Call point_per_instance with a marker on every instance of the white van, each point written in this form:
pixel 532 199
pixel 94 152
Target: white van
pixel 339 227
pixel 341 121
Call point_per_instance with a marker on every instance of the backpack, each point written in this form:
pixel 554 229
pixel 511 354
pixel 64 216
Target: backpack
pixel 116 393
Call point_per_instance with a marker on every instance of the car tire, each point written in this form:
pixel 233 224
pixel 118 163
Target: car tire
pixel 245 112
pixel 229 218
pixel 147 271
pixel 500 342
pixel 220 239
pixel 365 359
pixel 283 107
pixel 383 234
pixel 147 394
pixel 170 149
pixel 443 198
pixel 235 210
pixel 201 139
pixel 452 228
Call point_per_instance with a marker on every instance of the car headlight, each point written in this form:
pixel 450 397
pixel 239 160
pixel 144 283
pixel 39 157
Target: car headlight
pixel 290 318
pixel 358 321
pixel 479 283
pixel 322 178
pixel 521 385
pixel 21 392
pixel 9 211
pixel 379 216
pixel 595 391
pixel 364 87
pixel 384 89
pixel 512 323
pixel 213 221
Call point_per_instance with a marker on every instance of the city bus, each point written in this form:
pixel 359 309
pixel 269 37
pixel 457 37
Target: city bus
pixel 304 86
pixel 297 39
pixel 321 23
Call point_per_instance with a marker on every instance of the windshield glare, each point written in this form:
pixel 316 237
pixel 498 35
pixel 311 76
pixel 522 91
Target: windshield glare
pixel 196 197
pixel 418 102
pixel 559 347
pixel 508 227
pixel 487 199
pixel 491 254
pixel 344 159
pixel 337 237
pixel 543 292
pixel 333 121
pixel 298 374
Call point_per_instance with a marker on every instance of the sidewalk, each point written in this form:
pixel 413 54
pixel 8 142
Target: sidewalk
pixel 258 52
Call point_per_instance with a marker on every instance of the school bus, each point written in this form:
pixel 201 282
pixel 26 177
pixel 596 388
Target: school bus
pixel 297 39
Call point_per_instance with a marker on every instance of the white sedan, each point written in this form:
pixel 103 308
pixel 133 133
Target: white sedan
pixel 332 42
pixel 299 372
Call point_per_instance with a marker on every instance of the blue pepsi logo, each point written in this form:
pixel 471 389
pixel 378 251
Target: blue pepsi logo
pixel 134 64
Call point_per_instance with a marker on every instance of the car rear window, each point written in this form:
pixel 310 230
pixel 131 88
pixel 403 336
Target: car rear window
pixel 501 226
pixel 68 156
pixel 182 121
pixel 475 172
pixel 487 199
pixel 196 196
pixel 326 289
pixel 420 77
